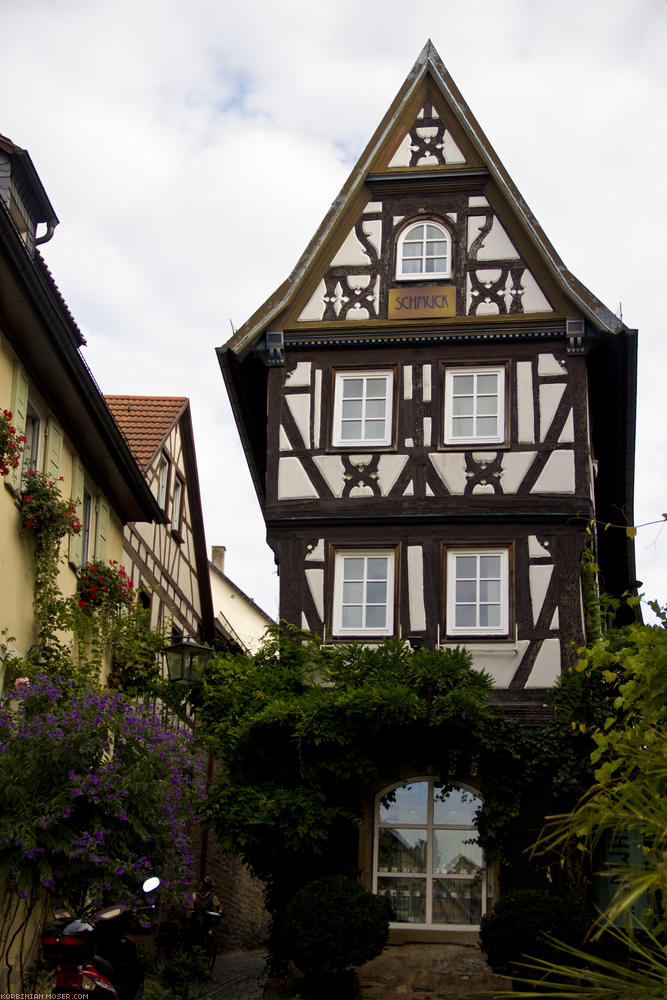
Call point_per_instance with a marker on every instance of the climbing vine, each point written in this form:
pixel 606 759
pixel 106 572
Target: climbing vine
pixel 304 731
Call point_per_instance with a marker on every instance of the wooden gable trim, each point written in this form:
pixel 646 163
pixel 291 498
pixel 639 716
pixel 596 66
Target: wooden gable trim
pixel 428 64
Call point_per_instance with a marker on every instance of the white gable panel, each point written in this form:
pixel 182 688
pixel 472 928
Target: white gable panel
pixel 351 253
pixel 546 669
pixel 299 405
pixel 314 307
pixel 497 244
pixel 293 481
pixel 401 157
pixel 550 397
pixel 515 467
pixel 451 467
pixel 557 476
pixel 416 588
pixel 540 577
pixel 300 376
pixel 533 298
pixel 389 469
pixel 315 578
pixel 451 151
pixel 331 467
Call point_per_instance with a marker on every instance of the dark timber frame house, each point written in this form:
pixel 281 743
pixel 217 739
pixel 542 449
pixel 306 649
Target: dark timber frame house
pixel 436 413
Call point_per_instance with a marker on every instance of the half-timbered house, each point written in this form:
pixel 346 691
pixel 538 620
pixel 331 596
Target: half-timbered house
pixel 168 562
pixel 435 412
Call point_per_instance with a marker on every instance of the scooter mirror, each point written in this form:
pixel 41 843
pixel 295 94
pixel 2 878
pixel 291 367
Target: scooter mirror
pixel 151 884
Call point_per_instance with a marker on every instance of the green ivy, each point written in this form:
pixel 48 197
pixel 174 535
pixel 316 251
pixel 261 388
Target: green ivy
pixel 304 731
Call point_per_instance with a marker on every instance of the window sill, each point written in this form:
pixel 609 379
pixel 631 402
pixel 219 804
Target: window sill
pixel 440 276
pixel 423 933
pixel 502 645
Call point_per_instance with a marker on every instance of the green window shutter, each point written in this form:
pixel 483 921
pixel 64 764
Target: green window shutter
pixel 54 449
pixel 101 529
pixel 76 541
pixel 19 408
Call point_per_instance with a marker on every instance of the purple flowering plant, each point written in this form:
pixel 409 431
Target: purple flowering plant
pixel 95 794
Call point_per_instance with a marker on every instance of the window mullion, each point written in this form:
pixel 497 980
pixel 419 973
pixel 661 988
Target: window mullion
pixel 429 853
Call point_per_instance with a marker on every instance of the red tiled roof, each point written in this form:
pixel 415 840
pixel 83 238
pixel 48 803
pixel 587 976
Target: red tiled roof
pixel 145 421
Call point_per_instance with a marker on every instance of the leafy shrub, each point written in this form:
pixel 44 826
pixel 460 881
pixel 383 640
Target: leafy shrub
pixel 519 922
pixel 185 973
pixel 332 924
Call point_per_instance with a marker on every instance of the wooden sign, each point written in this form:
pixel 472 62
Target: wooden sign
pixel 416 303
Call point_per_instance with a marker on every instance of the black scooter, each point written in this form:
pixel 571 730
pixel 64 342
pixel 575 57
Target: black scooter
pixel 98 958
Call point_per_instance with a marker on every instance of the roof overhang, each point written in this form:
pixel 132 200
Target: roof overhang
pixel 39 328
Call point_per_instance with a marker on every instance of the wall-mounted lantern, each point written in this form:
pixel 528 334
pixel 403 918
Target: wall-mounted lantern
pixel 186 662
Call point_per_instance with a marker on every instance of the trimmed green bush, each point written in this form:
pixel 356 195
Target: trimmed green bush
pixel 333 924
pixel 521 921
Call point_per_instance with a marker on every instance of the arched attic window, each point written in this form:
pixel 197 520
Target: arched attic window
pixel 428 862
pixel 424 250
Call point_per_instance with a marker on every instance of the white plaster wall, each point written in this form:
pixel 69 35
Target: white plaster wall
pixel 293 482
pixel 245 618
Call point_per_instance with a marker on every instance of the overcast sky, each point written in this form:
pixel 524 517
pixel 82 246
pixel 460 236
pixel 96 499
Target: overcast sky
pixel 191 149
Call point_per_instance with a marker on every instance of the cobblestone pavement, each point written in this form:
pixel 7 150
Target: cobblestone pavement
pixel 238 975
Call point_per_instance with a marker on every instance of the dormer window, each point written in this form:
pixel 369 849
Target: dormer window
pixel 424 250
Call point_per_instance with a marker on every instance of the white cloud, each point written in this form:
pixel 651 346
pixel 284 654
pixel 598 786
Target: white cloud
pixel 191 150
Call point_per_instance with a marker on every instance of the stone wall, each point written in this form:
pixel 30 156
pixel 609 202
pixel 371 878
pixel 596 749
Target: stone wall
pixel 245 923
pixel 429 972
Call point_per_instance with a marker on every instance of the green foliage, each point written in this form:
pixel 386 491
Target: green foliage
pixel 49 517
pixel 332 924
pixel 95 794
pixel 305 730
pixel 523 920
pixel 185 973
pixel 628 672
pixel 591 595
pixel 153 990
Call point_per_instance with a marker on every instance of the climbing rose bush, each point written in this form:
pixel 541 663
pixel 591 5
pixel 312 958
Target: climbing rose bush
pixel 95 794
pixel 46 510
pixel 11 443
pixel 103 583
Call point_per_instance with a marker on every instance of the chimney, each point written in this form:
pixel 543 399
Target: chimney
pixel 218 556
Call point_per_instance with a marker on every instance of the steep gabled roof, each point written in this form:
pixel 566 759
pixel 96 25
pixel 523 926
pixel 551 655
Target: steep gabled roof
pixel 146 421
pixel 41 201
pixel 428 78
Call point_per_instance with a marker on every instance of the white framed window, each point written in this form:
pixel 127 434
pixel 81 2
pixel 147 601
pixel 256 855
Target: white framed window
pixel 177 504
pixel 475 405
pixel 428 864
pixel 162 481
pixel 424 250
pixel 31 449
pixel 85 514
pixel 477 600
pixel 363 594
pixel 363 402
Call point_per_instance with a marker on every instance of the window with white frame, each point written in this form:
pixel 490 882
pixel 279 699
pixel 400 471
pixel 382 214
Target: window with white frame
pixel 475 405
pixel 363 595
pixel 177 504
pixel 477 592
pixel 363 408
pixel 428 863
pixel 32 436
pixel 86 517
pixel 424 250
pixel 162 481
